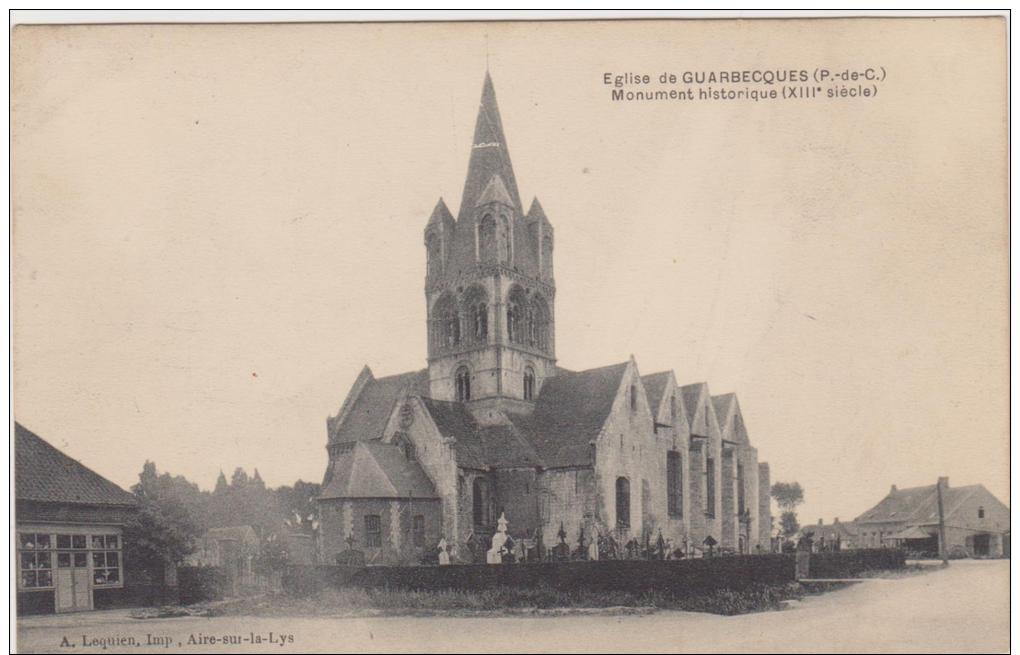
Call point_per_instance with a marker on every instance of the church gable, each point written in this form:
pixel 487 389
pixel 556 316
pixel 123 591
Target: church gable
pixel 731 420
pixel 665 400
pixel 700 411
pixel 368 406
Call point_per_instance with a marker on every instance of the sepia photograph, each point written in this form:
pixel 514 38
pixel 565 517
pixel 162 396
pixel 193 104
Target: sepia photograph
pixel 673 335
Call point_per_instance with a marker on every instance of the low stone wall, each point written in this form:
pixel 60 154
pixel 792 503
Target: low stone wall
pixel 676 577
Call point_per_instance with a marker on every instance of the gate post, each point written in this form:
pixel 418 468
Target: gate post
pixel 803 566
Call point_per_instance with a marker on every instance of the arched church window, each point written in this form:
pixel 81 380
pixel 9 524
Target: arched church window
pixel 445 322
pixel 539 322
pixel 481 322
pixel 547 254
pixel 487 239
pixel 433 251
pixel 529 383
pixel 633 397
pixel 480 503
pixel 476 310
pixel 463 379
pixel 622 502
pixel 515 315
pixel 504 239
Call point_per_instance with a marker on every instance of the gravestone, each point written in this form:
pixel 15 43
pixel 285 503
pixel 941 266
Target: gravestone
pixel 499 543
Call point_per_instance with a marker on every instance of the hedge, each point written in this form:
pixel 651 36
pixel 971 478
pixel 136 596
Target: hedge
pixel 678 578
pixel 201 583
pixel 851 563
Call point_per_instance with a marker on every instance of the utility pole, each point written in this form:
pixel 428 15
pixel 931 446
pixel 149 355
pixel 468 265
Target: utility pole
pixel 942 525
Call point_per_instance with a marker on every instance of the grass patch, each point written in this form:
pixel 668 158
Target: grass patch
pixel 505 600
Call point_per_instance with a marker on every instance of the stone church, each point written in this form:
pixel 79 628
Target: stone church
pixel 493 426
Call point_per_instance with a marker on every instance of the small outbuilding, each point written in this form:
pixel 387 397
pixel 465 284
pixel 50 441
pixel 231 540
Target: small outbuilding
pixel 69 524
pixel 976 522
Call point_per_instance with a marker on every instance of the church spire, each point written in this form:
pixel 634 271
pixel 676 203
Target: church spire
pixel 489 155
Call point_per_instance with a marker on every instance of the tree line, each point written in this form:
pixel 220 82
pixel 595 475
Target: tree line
pixel 174 513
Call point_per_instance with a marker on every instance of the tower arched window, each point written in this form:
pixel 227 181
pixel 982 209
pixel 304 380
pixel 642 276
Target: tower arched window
pixel 445 323
pixel 547 254
pixel 633 397
pixel 481 322
pixel 463 380
pixel 476 312
pixel 505 240
pixel 539 322
pixel 433 252
pixel 516 321
pixel 529 383
pixel 487 246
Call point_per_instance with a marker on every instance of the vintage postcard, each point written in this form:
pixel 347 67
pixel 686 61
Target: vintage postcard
pixel 566 336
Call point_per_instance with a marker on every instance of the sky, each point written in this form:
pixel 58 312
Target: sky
pixel 216 227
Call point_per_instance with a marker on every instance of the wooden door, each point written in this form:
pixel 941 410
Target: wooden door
pixel 73 591
pixel 64 581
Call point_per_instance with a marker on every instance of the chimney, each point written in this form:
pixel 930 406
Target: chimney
pixel 835 520
pixel 944 482
pixel 820 522
pixel 892 490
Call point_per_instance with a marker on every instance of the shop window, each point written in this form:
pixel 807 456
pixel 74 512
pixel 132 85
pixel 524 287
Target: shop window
pixel 35 561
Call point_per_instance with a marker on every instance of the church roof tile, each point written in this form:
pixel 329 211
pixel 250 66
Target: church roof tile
pixel 371 409
pixel 373 469
pixel 569 414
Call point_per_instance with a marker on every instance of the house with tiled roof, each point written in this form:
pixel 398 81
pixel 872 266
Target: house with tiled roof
pixel 69 522
pixel 493 426
pixel 835 536
pixel 976 523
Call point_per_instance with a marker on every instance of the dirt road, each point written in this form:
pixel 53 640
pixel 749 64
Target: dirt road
pixel 964 608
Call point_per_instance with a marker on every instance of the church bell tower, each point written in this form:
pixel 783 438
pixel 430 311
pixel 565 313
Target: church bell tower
pixel 489 283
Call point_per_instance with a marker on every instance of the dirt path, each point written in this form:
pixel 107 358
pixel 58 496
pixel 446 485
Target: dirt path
pixel 961 609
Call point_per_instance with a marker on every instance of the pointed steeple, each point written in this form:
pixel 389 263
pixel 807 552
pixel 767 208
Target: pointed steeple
pixel 489 155
pixel 441 214
pixel 536 213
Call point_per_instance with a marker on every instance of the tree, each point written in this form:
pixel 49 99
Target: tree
pixel 171 516
pixel 298 504
pixel 788 524
pixel 788 496
pixel 221 483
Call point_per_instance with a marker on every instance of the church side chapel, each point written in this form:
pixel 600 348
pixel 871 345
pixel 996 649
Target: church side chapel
pixel 494 453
